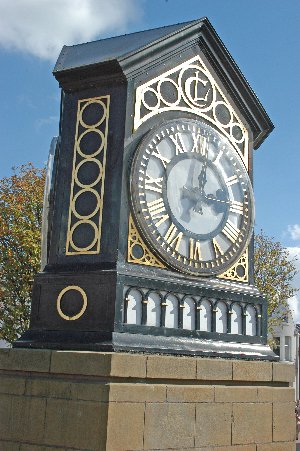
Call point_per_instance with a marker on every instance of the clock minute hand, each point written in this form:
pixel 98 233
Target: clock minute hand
pixel 200 194
pixel 202 179
pixel 202 176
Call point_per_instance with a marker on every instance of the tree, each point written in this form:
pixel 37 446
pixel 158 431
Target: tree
pixel 274 272
pixel 21 204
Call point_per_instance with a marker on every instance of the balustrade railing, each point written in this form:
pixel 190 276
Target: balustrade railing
pixel 172 310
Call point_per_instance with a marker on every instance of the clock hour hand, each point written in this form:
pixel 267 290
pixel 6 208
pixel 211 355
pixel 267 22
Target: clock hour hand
pixel 202 177
pixel 201 195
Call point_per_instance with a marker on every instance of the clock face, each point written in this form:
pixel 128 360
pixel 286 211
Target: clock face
pixel 192 197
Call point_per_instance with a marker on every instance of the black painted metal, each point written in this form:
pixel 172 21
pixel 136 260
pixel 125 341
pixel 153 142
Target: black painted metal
pixel 116 68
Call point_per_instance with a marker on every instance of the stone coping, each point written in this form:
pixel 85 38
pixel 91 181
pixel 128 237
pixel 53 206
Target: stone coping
pixel 144 366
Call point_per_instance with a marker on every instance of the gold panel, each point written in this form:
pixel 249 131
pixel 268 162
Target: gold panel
pixel 84 303
pixel 239 272
pixel 194 90
pixel 88 176
pixel 135 242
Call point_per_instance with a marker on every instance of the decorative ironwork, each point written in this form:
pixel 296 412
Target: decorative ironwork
pixel 87 187
pixel 84 303
pixel 138 252
pixel 191 87
pixel 238 272
pixel 151 307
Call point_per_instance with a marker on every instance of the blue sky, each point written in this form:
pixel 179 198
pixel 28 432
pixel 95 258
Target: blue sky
pixel 263 36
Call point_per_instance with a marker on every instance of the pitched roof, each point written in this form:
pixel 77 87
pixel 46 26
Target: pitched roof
pixel 130 54
pixel 114 48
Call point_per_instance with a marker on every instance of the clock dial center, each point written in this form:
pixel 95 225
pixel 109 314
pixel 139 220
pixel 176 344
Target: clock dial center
pixel 194 207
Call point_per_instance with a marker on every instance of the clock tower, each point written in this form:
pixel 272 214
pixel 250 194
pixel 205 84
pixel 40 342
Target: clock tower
pixel 148 235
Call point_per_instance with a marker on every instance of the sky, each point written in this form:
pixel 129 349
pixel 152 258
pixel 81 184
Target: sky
pixel 263 37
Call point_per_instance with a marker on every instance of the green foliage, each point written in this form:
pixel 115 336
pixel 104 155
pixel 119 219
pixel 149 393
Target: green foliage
pixel 274 272
pixel 21 204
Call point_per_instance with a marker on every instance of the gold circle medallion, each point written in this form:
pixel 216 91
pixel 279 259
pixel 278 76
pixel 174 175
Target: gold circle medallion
pixel 84 305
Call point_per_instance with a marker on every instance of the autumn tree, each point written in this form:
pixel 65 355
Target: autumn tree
pixel 21 204
pixel 274 271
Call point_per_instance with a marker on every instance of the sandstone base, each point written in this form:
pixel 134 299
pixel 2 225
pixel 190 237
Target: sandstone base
pixel 67 400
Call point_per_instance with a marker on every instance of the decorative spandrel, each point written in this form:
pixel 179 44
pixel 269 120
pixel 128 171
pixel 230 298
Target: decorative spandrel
pixel 190 87
pixel 239 272
pixel 88 175
pixel 138 251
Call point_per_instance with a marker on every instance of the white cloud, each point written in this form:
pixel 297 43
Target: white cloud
pixel 42 27
pixel 294 302
pixel 294 231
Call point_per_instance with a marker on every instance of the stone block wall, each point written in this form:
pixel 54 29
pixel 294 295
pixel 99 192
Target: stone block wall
pixel 67 400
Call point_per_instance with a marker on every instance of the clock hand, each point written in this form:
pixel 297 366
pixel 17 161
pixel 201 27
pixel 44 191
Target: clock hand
pixel 202 176
pixel 212 198
pixel 202 179
pixel 220 202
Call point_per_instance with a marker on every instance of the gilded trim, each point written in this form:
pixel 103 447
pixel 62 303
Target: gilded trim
pixel 239 272
pixel 94 135
pixel 84 303
pixel 135 242
pixel 192 88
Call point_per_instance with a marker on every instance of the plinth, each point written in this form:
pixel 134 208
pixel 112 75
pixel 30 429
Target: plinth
pixel 70 400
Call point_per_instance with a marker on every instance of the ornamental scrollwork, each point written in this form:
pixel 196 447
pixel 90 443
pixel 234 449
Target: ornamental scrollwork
pixel 190 87
pixel 138 252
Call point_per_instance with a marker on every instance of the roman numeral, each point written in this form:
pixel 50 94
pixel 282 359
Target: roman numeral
pixel 172 237
pixel 231 180
pixel 157 209
pixel 218 157
pixel 153 184
pixel 195 251
pixel 217 248
pixel 236 207
pixel 231 231
pixel 179 144
pixel 156 153
pixel 200 144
